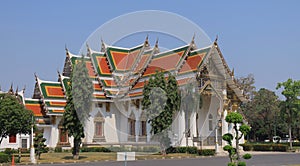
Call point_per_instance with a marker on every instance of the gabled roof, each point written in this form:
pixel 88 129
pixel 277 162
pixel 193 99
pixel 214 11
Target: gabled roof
pixel 123 59
pixel 36 106
pixel 166 61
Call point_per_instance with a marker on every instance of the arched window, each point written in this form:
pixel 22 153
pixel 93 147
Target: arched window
pixel 131 124
pixel 62 134
pixel 99 125
pixel 143 124
pixel 210 122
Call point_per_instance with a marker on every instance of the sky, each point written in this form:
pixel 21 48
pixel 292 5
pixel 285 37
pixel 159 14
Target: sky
pixel 257 37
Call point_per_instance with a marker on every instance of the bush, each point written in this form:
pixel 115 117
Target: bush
pixel 206 152
pixel 4 158
pixel 241 163
pixel 279 147
pixel 181 149
pixel 94 149
pixel 247 156
pixel 231 164
pixel 192 150
pixel 10 151
pixel 247 147
pixel 265 147
pixel 171 149
pixel 262 147
pixel 58 149
pixel 151 149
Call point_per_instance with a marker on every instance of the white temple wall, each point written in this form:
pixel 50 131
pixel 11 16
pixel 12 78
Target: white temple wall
pixel 18 144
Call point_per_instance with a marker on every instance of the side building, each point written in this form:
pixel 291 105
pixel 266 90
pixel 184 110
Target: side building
pixel 119 75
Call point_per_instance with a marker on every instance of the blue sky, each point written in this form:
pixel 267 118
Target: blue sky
pixel 259 37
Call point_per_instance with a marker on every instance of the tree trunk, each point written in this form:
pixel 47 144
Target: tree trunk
pixel 1 140
pixel 237 142
pixel 290 136
pixel 76 147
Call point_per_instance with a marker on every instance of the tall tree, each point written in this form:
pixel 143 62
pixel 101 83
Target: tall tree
pixel 247 85
pixel 39 145
pixel 161 100
pixel 79 100
pixel 190 103
pixel 261 113
pixel 14 118
pixel 291 92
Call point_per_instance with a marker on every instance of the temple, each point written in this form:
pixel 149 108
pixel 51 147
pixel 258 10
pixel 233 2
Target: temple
pixel 118 75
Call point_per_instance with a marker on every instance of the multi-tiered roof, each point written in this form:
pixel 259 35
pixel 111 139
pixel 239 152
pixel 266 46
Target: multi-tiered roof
pixel 120 73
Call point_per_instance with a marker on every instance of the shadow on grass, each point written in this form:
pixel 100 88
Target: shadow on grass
pixel 71 157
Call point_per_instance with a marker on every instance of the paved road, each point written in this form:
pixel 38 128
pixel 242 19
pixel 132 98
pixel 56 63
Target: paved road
pixel 257 160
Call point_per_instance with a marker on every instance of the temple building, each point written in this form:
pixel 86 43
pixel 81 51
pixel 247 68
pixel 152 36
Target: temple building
pixel 118 75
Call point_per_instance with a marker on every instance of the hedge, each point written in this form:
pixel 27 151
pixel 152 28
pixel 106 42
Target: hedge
pixel 191 150
pixel 94 149
pixel 265 147
pixel 4 158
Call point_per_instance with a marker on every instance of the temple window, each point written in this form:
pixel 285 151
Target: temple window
pixel 12 138
pixel 98 105
pixel 210 122
pixel 99 121
pixel 107 107
pixel 143 125
pixel 131 124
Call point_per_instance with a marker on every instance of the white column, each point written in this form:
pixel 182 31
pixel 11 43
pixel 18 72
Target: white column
pixel 224 126
pixel 148 128
pixel 137 129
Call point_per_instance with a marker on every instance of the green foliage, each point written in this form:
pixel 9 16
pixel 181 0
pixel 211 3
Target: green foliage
pixel 262 114
pixel 191 150
pixel 39 145
pixel 58 149
pixel 206 152
pixel 4 158
pixel 244 129
pixel 10 151
pixel 247 156
pixel 94 149
pixel 231 164
pixel 290 107
pixel 79 98
pixel 234 117
pixel 237 119
pixel 228 138
pixel 241 163
pixel 265 147
pixel 161 100
pixel 14 118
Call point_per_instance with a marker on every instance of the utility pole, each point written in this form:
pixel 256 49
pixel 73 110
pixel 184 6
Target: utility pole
pixel 32 151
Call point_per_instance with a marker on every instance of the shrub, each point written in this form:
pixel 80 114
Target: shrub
pixel 181 149
pixel 58 149
pixel 247 156
pixel 247 147
pixel 4 158
pixel 171 149
pixel 231 164
pixel 10 151
pixel 262 147
pixel 151 149
pixel 94 149
pixel 206 152
pixel 192 150
pixel 241 163
pixel 279 147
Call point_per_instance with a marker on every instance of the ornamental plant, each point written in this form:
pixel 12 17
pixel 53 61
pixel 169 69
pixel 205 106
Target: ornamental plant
pixel 240 129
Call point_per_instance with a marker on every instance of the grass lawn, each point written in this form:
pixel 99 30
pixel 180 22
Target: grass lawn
pixel 67 157
pixel 99 156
